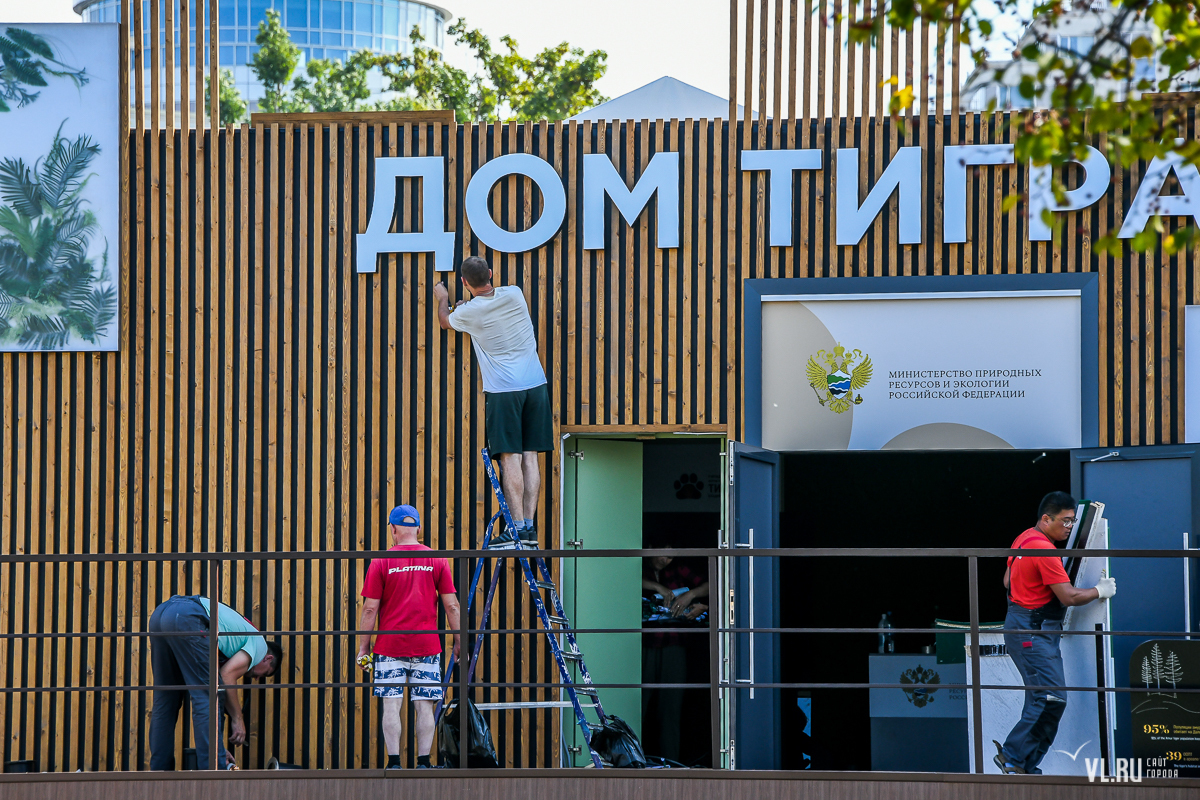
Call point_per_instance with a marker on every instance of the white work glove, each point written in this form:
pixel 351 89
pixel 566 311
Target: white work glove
pixel 1106 588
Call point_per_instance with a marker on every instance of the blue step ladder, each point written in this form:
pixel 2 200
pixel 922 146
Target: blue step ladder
pixel 538 580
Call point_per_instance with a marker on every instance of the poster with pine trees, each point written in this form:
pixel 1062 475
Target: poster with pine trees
pixel 1165 674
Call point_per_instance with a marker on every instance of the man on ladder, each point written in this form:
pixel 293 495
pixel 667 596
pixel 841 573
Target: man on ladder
pixel 517 420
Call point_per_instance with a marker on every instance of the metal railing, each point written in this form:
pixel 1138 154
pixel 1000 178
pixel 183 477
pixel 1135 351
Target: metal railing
pixel 716 685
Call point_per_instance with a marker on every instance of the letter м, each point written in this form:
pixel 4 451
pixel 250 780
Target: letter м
pixel 432 238
pixel 600 177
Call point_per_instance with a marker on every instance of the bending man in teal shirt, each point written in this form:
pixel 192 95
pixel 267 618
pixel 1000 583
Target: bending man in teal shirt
pixel 184 660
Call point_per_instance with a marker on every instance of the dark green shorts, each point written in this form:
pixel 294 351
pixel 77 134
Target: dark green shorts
pixel 518 422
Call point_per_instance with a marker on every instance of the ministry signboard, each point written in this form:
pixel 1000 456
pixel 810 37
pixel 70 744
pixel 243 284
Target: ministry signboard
pixel 903 369
pixel 59 187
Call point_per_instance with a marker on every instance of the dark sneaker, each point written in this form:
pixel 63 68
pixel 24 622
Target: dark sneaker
pixel 1006 767
pixel 424 766
pixel 394 766
pixel 502 540
pixel 529 538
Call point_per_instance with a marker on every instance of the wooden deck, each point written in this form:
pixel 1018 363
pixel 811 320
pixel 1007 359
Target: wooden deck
pixel 574 785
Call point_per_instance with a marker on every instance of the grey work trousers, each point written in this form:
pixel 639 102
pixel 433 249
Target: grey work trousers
pixel 1040 663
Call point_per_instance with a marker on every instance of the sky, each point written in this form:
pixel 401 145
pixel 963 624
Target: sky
pixel 686 39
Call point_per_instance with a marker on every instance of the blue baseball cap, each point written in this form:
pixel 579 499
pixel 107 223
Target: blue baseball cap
pixel 401 513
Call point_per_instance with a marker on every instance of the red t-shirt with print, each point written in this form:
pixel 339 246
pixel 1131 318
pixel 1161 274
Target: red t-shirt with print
pixel 408 590
pixel 1030 579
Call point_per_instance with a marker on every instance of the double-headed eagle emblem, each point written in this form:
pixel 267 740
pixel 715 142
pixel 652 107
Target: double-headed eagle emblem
pixel 835 378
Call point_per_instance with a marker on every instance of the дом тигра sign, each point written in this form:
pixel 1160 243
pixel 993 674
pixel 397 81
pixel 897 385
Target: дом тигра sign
pixel 661 178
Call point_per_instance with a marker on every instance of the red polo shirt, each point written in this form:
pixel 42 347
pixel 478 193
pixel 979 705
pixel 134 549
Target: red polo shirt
pixel 1030 579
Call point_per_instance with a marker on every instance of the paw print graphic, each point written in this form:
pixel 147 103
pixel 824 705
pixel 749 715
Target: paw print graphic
pixel 689 487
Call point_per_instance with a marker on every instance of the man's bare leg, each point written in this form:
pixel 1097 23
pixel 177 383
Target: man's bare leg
pixel 424 725
pixel 391 724
pixel 533 483
pixel 513 481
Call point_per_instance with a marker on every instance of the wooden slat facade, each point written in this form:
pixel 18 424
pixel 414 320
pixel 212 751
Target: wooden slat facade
pixel 268 397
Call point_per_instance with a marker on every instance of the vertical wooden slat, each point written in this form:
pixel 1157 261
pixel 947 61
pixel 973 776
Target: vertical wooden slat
pixel 157 194
pixel 576 307
pixel 683 281
pixel 704 406
pixel 271 459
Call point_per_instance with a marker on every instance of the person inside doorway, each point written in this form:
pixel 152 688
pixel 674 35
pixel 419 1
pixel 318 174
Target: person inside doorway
pixel 1039 592
pixel 672 597
pixel 183 660
pixel 517 420
pixel 402 595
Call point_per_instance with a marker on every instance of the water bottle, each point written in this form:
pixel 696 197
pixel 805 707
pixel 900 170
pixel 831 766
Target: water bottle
pixel 886 643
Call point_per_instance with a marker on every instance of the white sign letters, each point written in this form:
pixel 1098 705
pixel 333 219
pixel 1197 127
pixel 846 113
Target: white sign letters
pixel 1097 176
pixel 600 177
pixel 661 177
pixel 903 173
pixel 432 238
pixel 554 203
pixel 1147 203
pixel 780 165
pixel 954 178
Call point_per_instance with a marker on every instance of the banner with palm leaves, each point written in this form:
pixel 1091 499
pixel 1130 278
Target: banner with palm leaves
pixel 58 174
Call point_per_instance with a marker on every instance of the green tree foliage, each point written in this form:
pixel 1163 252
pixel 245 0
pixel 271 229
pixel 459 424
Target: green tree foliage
pixel 274 63
pixel 25 61
pixel 233 107
pixel 50 286
pixel 557 83
pixel 1141 119
pixel 335 85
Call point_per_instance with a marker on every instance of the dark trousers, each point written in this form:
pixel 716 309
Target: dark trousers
pixel 180 660
pixel 1040 663
pixel 662 709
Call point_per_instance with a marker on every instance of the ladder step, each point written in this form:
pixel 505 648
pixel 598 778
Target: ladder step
pixel 588 690
pixel 572 656
pixel 559 620
pixel 545 585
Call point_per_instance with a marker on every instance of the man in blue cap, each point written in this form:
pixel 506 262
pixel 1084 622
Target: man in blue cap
pixel 401 595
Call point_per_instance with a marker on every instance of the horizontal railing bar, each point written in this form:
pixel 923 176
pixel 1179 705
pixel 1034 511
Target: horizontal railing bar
pixel 643 631
pixel 696 552
pixel 598 685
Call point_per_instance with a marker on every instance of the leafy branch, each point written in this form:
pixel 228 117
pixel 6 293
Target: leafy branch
pixel 1083 92
pixel 25 61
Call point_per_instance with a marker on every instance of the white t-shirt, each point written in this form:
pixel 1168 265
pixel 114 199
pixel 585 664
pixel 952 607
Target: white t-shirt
pixel 502 335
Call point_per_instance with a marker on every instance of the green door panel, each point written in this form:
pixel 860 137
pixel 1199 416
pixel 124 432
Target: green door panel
pixel 602 507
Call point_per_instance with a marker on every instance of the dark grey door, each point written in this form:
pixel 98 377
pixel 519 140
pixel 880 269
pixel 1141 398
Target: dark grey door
pixel 1148 495
pixel 754 508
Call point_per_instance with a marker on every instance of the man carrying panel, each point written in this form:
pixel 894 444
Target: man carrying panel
pixel 517 418
pixel 184 660
pixel 401 594
pixel 1038 593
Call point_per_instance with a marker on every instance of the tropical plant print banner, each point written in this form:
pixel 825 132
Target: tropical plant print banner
pixel 59 187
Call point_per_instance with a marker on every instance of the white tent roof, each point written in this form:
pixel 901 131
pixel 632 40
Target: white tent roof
pixel 665 98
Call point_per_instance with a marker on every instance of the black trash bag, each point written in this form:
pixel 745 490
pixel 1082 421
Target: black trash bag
pixel 481 754
pixel 617 744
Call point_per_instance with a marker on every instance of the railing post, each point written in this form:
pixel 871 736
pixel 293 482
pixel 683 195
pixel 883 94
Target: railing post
pixel 214 677
pixel 714 658
pixel 976 692
pixel 464 660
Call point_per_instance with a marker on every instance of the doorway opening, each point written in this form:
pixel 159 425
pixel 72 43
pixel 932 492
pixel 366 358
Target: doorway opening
pixel 626 492
pixel 892 499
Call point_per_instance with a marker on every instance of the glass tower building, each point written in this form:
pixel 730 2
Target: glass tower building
pixel 330 29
